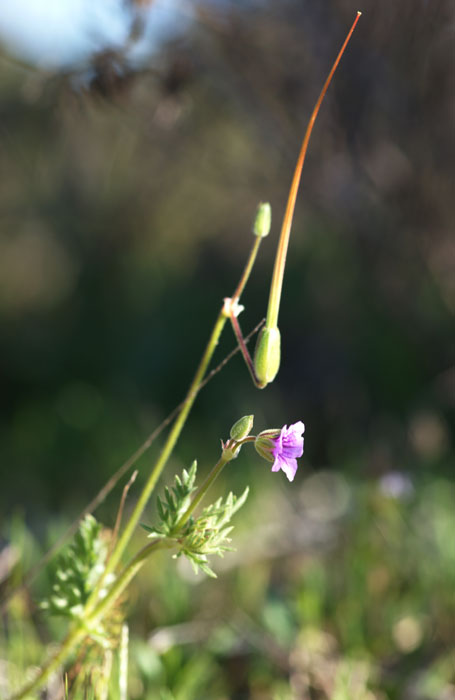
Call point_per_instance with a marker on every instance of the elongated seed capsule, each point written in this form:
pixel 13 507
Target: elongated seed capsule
pixel 268 350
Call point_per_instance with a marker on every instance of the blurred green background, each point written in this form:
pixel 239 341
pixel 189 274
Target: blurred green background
pixel 127 199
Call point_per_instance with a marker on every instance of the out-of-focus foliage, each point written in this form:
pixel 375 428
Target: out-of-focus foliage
pixel 344 591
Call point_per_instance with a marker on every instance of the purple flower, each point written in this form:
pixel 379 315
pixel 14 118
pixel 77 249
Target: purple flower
pixel 282 447
pixel 288 446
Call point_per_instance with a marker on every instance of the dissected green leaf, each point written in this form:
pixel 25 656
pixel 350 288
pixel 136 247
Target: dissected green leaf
pixel 77 570
pixel 197 538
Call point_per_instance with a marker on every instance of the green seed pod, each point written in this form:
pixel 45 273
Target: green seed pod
pixel 267 356
pixel 242 428
pixel 263 220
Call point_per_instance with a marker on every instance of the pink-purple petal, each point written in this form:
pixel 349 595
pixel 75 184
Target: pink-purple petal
pixel 288 446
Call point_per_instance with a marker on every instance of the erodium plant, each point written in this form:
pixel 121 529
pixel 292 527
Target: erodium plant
pixel 89 581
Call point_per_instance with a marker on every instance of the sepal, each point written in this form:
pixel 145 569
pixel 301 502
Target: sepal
pixel 265 444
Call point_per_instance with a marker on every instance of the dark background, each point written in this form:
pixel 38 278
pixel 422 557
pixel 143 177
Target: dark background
pixel 125 214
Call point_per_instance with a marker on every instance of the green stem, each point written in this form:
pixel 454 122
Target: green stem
pixel 247 270
pixel 200 493
pixel 230 452
pixel 122 581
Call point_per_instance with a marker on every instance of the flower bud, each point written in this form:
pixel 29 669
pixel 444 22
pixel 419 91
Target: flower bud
pixel 263 220
pixel 267 356
pixel 242 428
pixel 265 444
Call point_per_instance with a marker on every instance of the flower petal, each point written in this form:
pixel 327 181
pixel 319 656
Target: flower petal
pixel 277 465
pixel 289 466
pixel 288 445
